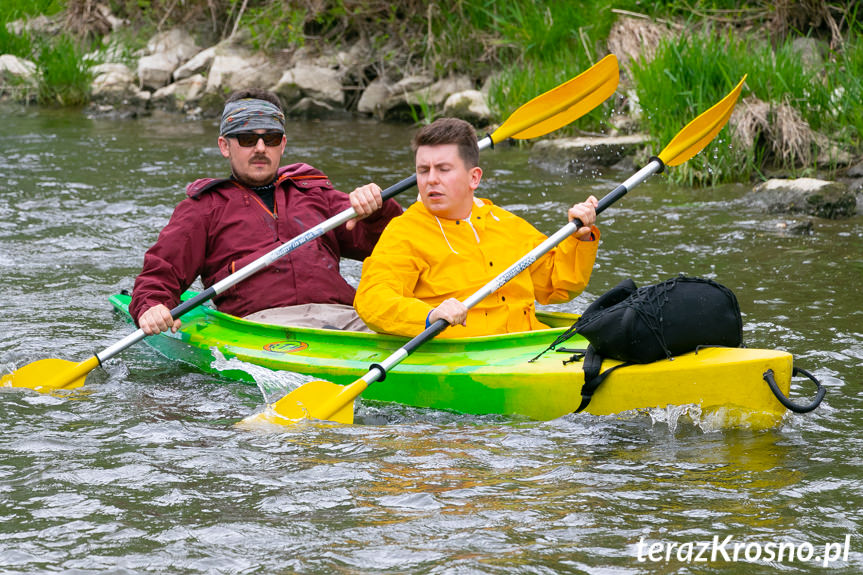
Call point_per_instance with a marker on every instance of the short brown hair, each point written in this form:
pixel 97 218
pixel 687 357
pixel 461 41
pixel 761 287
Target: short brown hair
pixel 255 94
pixel 450 131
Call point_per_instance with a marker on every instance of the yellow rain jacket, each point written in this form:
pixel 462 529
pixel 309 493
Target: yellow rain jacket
pixel 421 260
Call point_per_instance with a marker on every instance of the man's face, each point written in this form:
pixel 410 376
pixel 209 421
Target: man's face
pixel 257 164
pixel 446 185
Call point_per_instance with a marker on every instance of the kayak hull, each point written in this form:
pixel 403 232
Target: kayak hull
pixel 491 374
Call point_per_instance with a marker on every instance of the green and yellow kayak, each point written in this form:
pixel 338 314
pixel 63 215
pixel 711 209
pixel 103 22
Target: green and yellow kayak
pixel 491 374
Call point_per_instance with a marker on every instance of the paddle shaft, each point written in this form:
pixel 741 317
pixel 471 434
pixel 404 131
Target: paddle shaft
pixel 378 371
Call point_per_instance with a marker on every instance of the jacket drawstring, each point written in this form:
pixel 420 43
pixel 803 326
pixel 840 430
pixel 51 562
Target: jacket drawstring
pixel 468 222
pixel 476 235
pixel 444 236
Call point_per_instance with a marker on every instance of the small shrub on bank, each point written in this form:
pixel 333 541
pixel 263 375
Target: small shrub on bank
pixel 64 75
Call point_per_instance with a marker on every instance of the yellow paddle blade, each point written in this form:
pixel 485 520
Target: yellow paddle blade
pixel 700 131
pixel 46 375
pixel 314 400
pixel 563 104
pixel 310 401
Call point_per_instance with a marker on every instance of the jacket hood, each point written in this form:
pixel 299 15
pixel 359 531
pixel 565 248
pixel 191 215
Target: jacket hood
pixel 200 186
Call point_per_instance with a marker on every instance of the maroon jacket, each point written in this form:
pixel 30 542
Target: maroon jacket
pixel 222 226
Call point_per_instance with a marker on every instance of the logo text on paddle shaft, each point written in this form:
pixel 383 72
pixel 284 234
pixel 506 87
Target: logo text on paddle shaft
pixel 287 346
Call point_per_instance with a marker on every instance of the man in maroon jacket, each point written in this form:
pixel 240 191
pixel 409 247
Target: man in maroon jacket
pixel 227 223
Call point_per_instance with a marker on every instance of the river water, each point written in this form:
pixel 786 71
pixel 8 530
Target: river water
pixel 143 472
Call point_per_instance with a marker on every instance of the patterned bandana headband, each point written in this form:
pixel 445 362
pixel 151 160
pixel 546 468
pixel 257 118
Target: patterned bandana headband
pixel 251 114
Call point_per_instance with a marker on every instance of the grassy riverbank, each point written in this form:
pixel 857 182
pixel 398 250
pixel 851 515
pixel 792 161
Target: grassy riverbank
pixel 804 61
pixel 796 118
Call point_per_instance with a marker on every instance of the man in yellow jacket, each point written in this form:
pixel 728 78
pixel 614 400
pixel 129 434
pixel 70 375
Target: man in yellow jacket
pixel 450 244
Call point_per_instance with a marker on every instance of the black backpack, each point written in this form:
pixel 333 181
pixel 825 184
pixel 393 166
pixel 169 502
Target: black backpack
pixel 642 325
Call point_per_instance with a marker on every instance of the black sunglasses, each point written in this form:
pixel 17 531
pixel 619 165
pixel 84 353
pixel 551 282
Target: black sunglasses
pixel 249 139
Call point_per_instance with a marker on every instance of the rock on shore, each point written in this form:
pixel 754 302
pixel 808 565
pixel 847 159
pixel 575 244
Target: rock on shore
pixel 173 73
pixel 577 155
pixel 824 199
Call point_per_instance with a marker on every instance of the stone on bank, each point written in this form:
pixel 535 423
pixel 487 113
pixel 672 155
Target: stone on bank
pixel 821 198
pixel 17 78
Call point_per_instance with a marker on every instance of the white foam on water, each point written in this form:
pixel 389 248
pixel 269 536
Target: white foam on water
pixel 711 421
pixel 272 383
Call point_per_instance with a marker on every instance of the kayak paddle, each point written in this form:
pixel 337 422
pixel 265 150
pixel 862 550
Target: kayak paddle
pixel 545 113
pixel 328 401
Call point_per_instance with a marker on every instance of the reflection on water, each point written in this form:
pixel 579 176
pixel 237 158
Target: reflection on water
pixel 144 472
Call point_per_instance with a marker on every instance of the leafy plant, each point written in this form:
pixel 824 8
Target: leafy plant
pixel 276 25
pixel 64 76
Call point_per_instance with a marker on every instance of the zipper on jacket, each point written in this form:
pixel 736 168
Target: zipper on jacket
pixel 274 213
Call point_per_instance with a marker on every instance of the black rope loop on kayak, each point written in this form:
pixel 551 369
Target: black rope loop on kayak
pixel 819 396
pixel 570 331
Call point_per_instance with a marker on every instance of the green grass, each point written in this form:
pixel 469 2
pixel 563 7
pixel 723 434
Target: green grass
pixel 689 74
pixel 686 76
pixel 64 76
pixel 845 84
pixel 15 44
pixel 527 47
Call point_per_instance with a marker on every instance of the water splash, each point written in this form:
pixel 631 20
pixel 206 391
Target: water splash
pixel 671 415
pixel 709 421
pixel 116 369
pixel 273 384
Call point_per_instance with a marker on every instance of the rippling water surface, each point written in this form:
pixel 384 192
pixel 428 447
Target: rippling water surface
pixel 143 471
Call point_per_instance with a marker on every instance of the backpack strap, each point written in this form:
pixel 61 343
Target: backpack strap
pixel 592 376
